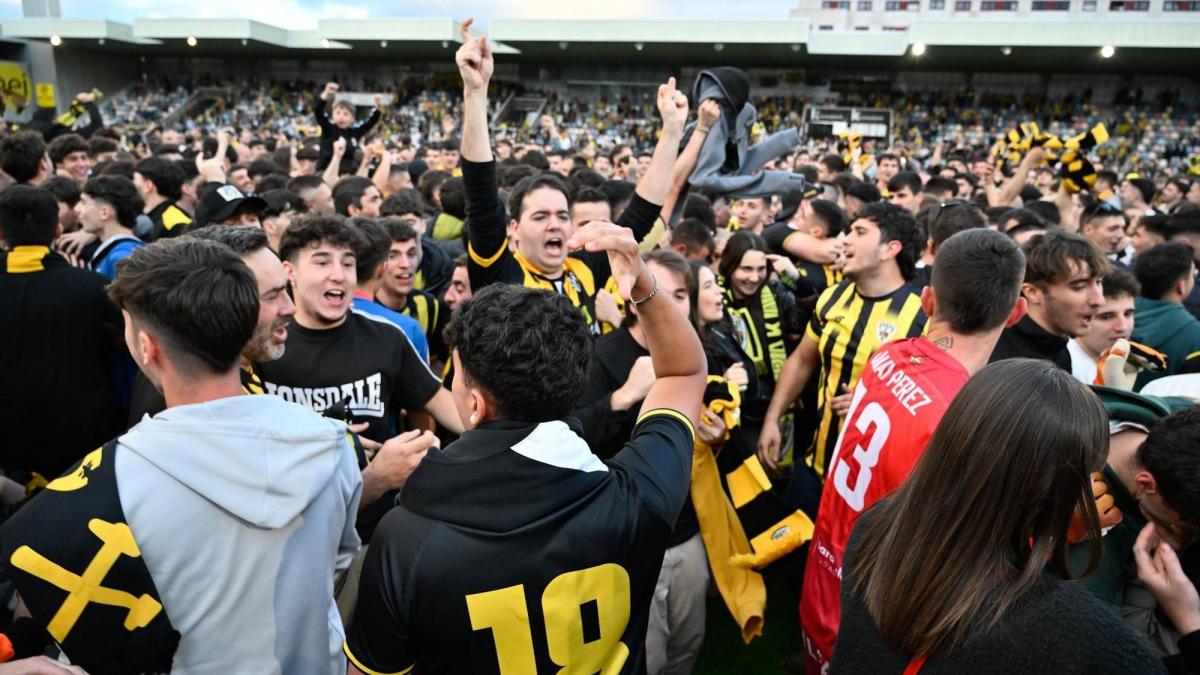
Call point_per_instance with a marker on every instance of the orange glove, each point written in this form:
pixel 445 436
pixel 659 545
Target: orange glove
pixel 1106 506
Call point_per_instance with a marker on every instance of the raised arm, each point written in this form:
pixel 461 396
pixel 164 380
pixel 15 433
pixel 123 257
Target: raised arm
pixel 475 64
pixel 1012 187
pixel 708 114
pixel 673 106
pixel 320 104
pixel 366 125
pixel 487 222
pixel 384 171
pixel 678 358
pixel 331 172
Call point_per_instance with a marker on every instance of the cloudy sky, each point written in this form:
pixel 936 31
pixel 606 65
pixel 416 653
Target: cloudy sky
pixel 301 14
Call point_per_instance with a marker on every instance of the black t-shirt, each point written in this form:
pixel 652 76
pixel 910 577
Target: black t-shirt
pixel 605 430
pixel 367 363
pixel 777 233
pixel 1028 340
pixel 516 550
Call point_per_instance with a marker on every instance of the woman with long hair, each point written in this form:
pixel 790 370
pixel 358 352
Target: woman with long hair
pixel 774 527
pixel 946 575
pixel 763 313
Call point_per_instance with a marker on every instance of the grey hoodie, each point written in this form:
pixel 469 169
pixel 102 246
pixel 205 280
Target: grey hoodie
pixel 243 508
pixel 746 180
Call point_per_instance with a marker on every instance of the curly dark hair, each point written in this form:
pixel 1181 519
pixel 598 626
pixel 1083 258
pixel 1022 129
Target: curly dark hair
pixel 306 231
pixel 64 145
pixel 404 201
pixel 1171 453
pixel 529 350
pixel 895 223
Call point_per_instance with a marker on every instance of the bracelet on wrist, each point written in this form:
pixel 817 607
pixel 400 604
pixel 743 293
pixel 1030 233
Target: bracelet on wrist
pixel 653 292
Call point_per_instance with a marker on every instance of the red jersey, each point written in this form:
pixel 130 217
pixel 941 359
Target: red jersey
pixel 902 394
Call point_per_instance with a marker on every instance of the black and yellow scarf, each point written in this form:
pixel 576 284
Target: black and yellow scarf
pixel 761 330
pixel 773 529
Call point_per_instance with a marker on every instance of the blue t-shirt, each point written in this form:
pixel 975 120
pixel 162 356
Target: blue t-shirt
pixel 408 324
pixel 113 251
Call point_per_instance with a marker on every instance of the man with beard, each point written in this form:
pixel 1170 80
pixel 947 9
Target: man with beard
pixel 393 460
pixel 1063 291
pixel 275 310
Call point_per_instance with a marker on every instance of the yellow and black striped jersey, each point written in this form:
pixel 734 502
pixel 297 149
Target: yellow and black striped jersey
pixel 820 276
pixel 490 260
pixel 433 315
pixel 848 328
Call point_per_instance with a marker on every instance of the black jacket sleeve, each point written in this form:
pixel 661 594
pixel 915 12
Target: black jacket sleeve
pixel 362 128
pixel 488 259
pixel 323 120
pixel 95 120
pixel 601 424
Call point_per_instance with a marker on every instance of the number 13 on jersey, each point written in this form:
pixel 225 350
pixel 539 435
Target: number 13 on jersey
pixel 870 425
pixel 506 613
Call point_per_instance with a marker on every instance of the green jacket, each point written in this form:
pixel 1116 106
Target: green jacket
pixel 1116 563
pixel 1167 327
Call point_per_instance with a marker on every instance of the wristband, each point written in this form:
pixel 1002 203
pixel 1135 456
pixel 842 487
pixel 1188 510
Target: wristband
pixel 653 292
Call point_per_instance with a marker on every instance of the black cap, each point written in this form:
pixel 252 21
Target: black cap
pixel 790 201
pixel 223 202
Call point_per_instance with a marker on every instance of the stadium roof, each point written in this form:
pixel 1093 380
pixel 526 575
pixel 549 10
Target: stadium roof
pixel 1144 43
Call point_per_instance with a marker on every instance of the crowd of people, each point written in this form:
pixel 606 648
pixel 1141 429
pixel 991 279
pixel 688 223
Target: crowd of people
pixel 1148 135
pixel 412 392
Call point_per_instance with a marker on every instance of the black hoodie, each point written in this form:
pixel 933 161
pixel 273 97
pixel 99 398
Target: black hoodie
pixel 521 520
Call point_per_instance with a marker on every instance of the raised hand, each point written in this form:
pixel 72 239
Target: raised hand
pixel 708 114
pixel 331 88
pixel 474 59
pixel 672 105
pixel 339 147
pixel 622 249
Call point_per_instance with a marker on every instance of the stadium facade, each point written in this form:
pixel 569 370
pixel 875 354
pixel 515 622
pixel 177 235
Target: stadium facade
pixel 823 44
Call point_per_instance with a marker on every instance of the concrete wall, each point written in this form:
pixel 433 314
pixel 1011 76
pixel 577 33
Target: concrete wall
pixel 79 70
